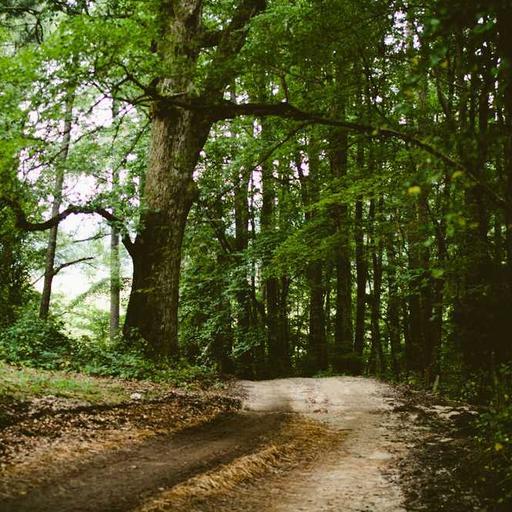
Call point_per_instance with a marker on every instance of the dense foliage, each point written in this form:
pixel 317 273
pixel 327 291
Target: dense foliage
pixel 340 202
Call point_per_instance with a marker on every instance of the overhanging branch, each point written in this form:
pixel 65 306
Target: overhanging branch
pixel 23 223
pixel 230 110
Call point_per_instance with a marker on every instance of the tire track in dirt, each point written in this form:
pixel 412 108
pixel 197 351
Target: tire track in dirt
pixel 119 481
pixel 350 470
pixel 358 474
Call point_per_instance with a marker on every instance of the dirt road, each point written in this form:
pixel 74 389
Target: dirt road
pixel 357 475
pixel 252 460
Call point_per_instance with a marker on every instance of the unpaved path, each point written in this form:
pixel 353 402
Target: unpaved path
pixel 358 474
pixel 354 474
pixel 119 481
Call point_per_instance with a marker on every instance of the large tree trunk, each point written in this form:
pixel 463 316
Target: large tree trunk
pixel 504 21
pixel 177 138
pixel 49 271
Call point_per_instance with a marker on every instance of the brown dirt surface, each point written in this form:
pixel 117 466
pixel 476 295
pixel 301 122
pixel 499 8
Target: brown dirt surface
pixel 330 444
pixel 441 471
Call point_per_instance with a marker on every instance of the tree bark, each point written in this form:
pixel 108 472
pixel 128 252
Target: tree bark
pixel 393 307
pixel 376 363
pixel 244 316
pixel 115 263
pixel 115 275
pixel 343 329
pixel 177 137
pixel 44 307
pixel 361 277
pixel 278 356
pixel 176 141
pixel 317 340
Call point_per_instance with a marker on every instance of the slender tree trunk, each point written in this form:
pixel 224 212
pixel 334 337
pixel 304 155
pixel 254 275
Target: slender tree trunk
pixel 244 316
pixel 49 272
pixel 343 331
pixel 377 363
pixel 416 346
pixel 361 277
pixel 222 342
pixel 393 309
pixel 115 274
pixel 115 263
pixel 278 352
pixel 317 340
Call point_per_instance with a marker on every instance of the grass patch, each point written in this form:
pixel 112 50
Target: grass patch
pixel 22 383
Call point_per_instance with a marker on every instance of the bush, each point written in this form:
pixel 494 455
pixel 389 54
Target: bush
pixel 42 344
pixel 495 438
pixel 37 343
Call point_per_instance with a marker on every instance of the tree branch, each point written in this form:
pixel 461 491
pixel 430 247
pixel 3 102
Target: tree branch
pixel 229 44
pixel 228 110
pixel 23 223
pixel 56 270
pixel 210 38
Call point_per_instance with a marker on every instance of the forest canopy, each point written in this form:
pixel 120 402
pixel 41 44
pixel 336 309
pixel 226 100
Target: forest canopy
pixel 264 188
pixel 192 189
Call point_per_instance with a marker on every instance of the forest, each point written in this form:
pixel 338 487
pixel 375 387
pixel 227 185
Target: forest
pixel 260 189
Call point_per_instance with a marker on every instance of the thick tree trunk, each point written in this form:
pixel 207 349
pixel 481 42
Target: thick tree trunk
pixel 176 140
pixel 177 137
pixel 504 20
pixel 49 272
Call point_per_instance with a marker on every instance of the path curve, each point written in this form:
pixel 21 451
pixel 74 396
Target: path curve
pixel 357 475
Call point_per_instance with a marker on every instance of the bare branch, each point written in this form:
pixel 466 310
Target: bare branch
pixel 56 270
pixel 23 223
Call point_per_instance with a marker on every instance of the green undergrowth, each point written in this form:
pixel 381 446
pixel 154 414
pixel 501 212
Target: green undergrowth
pixel 21 383
pixel 31 343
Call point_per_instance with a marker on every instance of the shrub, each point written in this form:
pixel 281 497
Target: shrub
pixel 37 343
